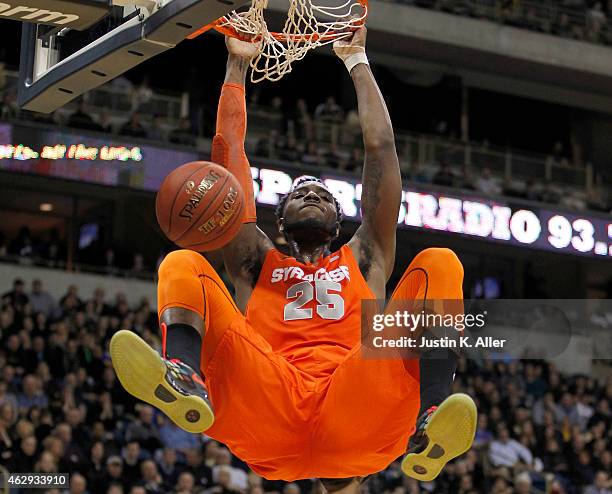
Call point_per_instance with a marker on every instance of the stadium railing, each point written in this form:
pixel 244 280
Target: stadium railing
pixel 121 101
pixel 422 149
pixel 506 164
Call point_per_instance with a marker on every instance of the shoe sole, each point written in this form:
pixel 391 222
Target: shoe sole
pixel 142 373
pixel 451 431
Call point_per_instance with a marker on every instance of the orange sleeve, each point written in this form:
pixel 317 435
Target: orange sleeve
pixel 228 143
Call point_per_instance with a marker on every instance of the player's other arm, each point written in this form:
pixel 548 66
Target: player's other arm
pixel 244 255
pixel 382 182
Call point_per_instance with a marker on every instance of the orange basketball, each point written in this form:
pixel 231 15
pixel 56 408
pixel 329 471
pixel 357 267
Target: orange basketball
pixel 200 206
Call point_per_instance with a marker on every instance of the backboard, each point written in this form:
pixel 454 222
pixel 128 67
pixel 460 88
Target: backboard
pixel 72 46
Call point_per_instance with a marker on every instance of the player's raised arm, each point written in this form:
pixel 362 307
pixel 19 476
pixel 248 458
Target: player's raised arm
pixel 382 183
pixel 244 254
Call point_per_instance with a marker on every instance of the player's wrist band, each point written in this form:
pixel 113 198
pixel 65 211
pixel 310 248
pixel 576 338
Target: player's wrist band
pixel 234 84
pixel 355 59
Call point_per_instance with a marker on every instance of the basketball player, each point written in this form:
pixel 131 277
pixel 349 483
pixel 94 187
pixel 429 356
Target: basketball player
pixel 286 388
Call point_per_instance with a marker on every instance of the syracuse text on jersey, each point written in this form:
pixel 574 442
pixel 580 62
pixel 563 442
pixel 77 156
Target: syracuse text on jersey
pixel 296 273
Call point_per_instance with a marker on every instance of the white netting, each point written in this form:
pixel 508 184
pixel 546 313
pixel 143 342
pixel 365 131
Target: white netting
pixel 307 26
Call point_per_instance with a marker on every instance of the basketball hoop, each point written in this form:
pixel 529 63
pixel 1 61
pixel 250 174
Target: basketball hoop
pixel 308 25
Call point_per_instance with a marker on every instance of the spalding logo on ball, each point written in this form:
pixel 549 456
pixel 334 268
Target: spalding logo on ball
pixel 200 206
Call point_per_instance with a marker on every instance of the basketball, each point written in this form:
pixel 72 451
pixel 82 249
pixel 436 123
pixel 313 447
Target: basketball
pixel 200 206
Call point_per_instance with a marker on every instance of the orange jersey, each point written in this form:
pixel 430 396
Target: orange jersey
pixel 309 313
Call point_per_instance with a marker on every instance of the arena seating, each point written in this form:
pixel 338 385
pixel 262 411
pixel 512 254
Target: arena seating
pixel 585 20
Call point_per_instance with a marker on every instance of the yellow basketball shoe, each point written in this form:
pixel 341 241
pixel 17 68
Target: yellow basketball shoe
pixel 443 433
pixel 169 385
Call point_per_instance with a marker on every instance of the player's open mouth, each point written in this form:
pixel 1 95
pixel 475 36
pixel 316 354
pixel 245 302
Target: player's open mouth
pixel 312 204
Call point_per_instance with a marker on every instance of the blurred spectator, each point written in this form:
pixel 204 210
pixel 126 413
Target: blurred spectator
pixel 601 484
pixel 567 410
pixel 267 146
pixel 143 430
pixel 184 134
pixel 122 84
pixel 355 161
pixel 562 26
pixel 418 173
pixel 302 121
pixel 238 478
pixel 17 297
pixel 41 300
pixel 596 21
pixel 311 155
pixel 132 459
pixel 550 194
pixel 168 466
pixel 332 157
pixel 483 435
pixel 289 150
pixel 82 119
pixel 141 95
pixel 275 114
pixel 157 132
pixel 173 436
pixel 71 301
pixel 133 127
pixel 96 469
pixel 78 484
pixel 522 483
pixel 194 462
pixel 8 106
pixel 109 261
pixel 151 479
pixel 185 484
pixel 32 394
pixel 23 245
pixel 224 482
pixel 328 116
pixel 329 111
pixel 352 129
pixel 105 122
pixel 444 176
pixel 114 472
pixel 3 245
pixel 486 184
pixel 506 452
pixel 138 267
pixel 532 190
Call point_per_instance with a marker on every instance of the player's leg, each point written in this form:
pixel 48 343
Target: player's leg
pixel 433 283
pixel 261 403
pixel 371 405
pixel 190 296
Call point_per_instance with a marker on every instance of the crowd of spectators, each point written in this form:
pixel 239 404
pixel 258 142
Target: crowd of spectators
pixel 328 135
pixel 182 133
pixel 49 249
pixel 63 410
pixel 140 122
pixel 586 20
pixel 331 137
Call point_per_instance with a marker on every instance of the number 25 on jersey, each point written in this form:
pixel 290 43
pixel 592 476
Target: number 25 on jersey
pixel 330 304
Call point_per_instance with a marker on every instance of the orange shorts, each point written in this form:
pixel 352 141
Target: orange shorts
pixel 283 422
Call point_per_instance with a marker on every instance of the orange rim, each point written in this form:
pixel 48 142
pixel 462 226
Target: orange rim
pixel 219 26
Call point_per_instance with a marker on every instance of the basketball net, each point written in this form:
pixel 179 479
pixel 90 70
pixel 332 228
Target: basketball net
pixel 307 26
